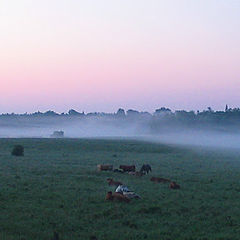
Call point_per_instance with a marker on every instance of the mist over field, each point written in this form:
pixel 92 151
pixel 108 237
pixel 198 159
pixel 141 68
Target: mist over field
pixel 198 138
pixel 208 128
pixel 72 128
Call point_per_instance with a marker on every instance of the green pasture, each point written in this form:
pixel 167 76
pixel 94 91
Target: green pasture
pixel 56 187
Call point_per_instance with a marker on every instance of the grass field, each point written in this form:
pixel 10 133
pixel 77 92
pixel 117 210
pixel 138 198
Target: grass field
pixel 56 187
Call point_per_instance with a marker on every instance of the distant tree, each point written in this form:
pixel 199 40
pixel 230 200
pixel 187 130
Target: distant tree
pixel 146 114
pixel 91 114
pixel 73 112
pixel 185 117
pixel 121 113
pixel 162 111
pixel 210 109
pixel 37 113
pixel 236 110
pixel 50 113
pixel 132 113
pixel 226 108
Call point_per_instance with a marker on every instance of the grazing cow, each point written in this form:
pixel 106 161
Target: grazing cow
pixel 146 168
pixel 112 182
pixel 117 196
pixel 126 168
pixel 105 167
pixel 174 185
pixel 158 180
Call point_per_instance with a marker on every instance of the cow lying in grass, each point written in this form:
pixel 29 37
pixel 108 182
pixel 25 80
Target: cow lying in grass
pixel 159 180
pixel 105 167
pixel 113 183
pixel 174 185
pixel 127 168
pixel 131 195
pixel 117 196
pixel 126 192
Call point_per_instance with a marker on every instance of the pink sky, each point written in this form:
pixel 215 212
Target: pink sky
pixel 133 54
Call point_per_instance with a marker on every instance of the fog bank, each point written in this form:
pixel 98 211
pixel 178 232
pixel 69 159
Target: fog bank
pixel 109 128
pixel 197 138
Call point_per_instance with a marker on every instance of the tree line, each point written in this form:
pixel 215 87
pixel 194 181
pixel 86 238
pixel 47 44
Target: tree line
pixel 161 118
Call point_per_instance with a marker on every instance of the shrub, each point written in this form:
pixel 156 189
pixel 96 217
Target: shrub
pixel 18 150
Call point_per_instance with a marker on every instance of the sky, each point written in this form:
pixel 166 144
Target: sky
pixel 93 55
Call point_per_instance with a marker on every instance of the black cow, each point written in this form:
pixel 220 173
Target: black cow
pixel 145 169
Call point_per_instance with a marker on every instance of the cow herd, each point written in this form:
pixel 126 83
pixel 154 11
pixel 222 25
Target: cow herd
pixel 131 169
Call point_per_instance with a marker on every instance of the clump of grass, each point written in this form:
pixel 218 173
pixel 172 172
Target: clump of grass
pixel 18 150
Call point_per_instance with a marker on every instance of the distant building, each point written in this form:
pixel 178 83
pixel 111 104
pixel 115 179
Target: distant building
pixel 57 134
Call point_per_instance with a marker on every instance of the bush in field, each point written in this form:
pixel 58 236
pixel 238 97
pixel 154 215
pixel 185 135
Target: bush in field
pixel 18 150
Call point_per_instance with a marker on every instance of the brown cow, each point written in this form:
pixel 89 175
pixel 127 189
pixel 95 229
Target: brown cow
pixel 112 182
pixel 117 196
pixel 158 180
pixel 105 167
pixel 174 185
pixel 127 168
